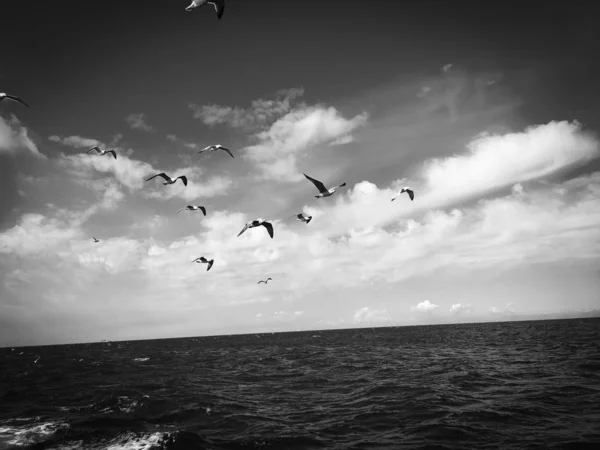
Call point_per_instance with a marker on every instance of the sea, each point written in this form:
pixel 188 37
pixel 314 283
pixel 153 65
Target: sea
pixel 509 385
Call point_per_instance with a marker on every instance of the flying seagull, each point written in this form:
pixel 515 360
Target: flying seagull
pixel 96 240
pixel 214 148
pixel 302 218
pixel 202 259
pixel 265 281
pixel 258 223
pixel 168 179
pixel 218 4
pixel 406 189
pixel 4 95
pixel 323 191
pixel 193 208
pixel 103 152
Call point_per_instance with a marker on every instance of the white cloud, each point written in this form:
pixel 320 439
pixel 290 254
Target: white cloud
pixel 368 315
pixel 260 113
pixel 198 186
pixel 459 308
pixel 137 121
pixel 75 141
pixel 281 145
pixel 14 137
pixel 425 307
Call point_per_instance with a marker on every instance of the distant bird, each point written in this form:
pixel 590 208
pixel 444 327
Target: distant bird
pixel 302 218
pixel 258 223
pixel 168 179
pixel 218 4
pixel 4 95
pixel 37 359
pixel 193 208
pixel 214 148
pixel 265 281
pixel 103 152
pixel 202 259
pixel 406 189
pixel 95 240
pixel 323 191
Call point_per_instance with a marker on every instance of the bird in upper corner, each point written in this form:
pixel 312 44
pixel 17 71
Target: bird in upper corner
pixel 103 152
pixel 258 223
pixel 202 259
pixel 214 148
pixel 96 240
pixel 406 189
pixel 218 4
pixel 193 208
pixel 168 179
pixel 14 98
pixel 302 218
pixel 265 281
pixel 323 191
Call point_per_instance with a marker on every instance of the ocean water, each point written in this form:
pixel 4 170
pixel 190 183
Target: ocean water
pixel 517 385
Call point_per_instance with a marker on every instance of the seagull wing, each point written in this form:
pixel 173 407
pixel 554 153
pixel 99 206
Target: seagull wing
pixel 113 153
pixel 162 174
pixel 261 281
pixel 340 185
pixel 411 194
pixel 210 264
pixel 269 228
pixel 203 209
pixel 184 179
pixel 227 150
pixel 181 210
pixel 94 148
pixel 320 186
pixel 219 7
pixel 243 229
pixel 205 149
pixel 17 99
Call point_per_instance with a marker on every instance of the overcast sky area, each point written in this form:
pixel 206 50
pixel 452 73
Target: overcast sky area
pixel 493 123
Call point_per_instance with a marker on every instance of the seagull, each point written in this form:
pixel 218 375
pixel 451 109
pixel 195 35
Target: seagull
pixel 218 4
pixel 323 191
pixel 37 359
pixel 302 218
pixel 202 259
pixel 103 152
pixel 214 148
pixel 265 281
pixel 406 189
pixel 95 240
pixel 168 179
pixel 193 208
pixel 4 95
pixel 258 223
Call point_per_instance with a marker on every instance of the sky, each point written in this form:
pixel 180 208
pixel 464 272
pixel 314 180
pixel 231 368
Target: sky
pixel 490 116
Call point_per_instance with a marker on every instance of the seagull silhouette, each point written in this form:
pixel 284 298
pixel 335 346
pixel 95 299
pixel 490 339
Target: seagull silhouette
pixel 96 240
pixel 193 208
pixel 265 281
pixel 202 259
pixel 14 98
pixel 406 189
pixel 218 4
pixel 323 191
pixel 168 179
pixel 103 152
pixel 214 148
pixel 302 218
pixel 258 223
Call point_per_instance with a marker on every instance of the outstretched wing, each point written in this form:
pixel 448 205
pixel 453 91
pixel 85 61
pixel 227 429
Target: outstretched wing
pixel 113 153
pixel 184 179
pixel 243 229
pixel 203 209
pixel 411 194
pixel 320 186
pixel 261 281
pixel 162 175
pixel 17 99
pixel 219 7
pixel 206 149
pixel 181 210
pixel 269 228
pixel 94 148
pixel 227 150
pixel 210 264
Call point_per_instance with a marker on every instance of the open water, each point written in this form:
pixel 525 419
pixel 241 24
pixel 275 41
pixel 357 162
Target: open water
pixel 519 385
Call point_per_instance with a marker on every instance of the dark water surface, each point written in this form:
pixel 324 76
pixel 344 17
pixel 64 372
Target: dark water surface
pixel 478 386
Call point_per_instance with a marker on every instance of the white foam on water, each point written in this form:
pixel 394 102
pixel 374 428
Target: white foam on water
pixel 134 442
pixel 28 433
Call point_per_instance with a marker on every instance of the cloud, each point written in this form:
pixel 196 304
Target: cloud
pixel 425 307
pixel 260 113
pixel 137 121
pixel 75 141
pixel 447 67
pixel 459 308
pixel 198 186
pixel 279 147
pixel 14 138
pixel 368 315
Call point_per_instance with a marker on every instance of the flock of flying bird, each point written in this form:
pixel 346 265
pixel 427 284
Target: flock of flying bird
pixel 219 6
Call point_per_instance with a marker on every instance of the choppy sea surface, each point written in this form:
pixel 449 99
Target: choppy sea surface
pixel 516 385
